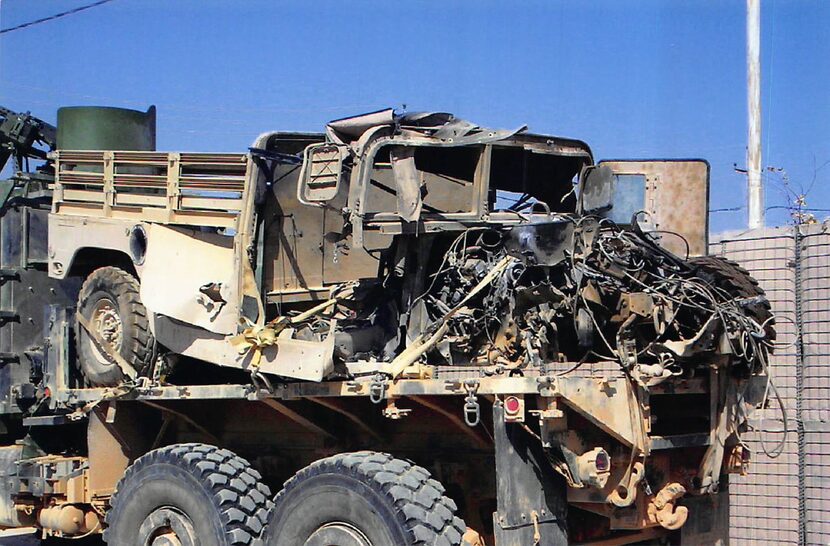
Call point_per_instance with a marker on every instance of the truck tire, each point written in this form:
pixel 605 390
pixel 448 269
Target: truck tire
pixel 734 279
pixel 190 494
pixel 363 499
pixel 110 302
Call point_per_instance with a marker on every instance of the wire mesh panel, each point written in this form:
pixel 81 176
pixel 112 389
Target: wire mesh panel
pixel 817 479
pixel 764 506
pixel 784 498
pixel 815 275
pixel 815 299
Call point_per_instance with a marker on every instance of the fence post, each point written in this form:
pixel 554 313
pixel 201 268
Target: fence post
pixel 799 388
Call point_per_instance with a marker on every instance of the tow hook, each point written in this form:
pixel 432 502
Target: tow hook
pixel 664 511
pixel 625 495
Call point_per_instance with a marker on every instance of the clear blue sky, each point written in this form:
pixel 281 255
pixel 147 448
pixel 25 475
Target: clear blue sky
pixel 635 79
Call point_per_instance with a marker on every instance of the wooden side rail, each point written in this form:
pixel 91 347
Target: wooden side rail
pixel 197 189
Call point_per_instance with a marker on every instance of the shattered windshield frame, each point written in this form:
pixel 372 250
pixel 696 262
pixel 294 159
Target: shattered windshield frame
pixel 546 178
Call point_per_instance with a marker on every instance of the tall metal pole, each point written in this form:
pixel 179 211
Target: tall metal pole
pixel 755 190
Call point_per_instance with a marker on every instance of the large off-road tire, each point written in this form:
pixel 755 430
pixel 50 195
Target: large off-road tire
pixel 363 499
pixel 189 494
pixel 737 281
pixel 109 301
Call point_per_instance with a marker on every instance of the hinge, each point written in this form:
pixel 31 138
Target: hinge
pixel 9 275
pixel 8 316
pixel 9 358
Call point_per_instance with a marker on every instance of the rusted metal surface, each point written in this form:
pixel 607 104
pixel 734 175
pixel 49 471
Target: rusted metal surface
pixel 109 457
pixel 676 199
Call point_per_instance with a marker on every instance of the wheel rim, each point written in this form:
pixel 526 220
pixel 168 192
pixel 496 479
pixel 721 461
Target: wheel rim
pixel 338 533
pixel 108 325
pixel 167 526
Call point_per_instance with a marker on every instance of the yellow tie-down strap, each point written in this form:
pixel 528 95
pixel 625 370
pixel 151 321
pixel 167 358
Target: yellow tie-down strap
pixel 256 337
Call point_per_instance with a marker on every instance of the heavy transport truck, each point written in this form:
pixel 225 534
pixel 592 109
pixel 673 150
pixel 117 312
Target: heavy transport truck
pixel 406 329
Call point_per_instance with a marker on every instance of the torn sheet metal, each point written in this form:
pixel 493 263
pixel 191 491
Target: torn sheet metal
pixel 345 130
pixel 408 182
pixel 286 357
pixel 190 275
pixel 614 407
pixel 439 126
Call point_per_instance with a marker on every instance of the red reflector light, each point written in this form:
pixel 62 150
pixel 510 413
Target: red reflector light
pixel 512 405
pixel 603 463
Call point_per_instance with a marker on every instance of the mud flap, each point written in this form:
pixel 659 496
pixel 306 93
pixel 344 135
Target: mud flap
pixel 708 521
pixel 532 499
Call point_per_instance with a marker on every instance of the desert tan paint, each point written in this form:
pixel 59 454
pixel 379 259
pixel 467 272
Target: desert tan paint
pixel 677 198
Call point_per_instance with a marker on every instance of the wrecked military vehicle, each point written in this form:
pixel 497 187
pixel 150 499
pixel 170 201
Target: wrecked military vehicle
pixel 545 336
pixel 386 245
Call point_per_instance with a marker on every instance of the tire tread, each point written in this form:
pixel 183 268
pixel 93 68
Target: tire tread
pixel 419 501
pixel 735 279
pixel 139 350
pixel 243 504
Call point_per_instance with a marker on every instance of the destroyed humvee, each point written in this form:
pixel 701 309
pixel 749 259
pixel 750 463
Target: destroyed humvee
pixel 388 243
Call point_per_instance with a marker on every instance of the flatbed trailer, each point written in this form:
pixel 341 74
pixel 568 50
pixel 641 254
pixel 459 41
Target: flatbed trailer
pixel 458 427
